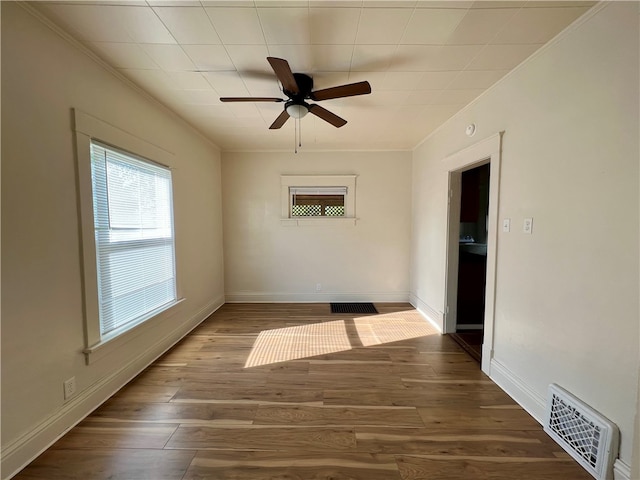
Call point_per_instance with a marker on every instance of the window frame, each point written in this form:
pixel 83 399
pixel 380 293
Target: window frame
pixel 287 182
pixel 88 128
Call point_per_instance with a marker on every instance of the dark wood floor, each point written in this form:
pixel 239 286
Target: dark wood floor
pixel 294 392
pixel 470 341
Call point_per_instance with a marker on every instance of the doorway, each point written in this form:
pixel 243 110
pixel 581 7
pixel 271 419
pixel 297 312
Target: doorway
pixel 472 259
pixel 487 151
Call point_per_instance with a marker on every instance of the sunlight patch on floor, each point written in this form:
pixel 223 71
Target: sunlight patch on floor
pixel 304 341
pixel 291 343
pixel 393 327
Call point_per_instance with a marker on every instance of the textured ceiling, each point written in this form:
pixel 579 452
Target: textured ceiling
pixel 425 60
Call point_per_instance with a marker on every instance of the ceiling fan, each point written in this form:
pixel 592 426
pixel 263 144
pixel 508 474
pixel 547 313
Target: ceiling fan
pixel 299 87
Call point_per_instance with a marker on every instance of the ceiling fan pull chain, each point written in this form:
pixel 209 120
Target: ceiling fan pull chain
pixel 299 133
pixel 295 135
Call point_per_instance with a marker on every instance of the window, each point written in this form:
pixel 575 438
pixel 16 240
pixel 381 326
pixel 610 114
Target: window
pixel 317 201
pixel 134 239
pixel 130 269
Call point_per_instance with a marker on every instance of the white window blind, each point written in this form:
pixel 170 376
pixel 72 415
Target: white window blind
pixel 318 190
pixel 133 219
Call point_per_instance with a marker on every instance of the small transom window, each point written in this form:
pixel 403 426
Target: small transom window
pixel 317 201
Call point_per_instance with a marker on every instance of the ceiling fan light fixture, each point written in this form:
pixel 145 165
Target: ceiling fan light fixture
pixel 297 110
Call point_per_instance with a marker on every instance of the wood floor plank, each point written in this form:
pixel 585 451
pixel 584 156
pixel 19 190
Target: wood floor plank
pixel 92 433
pixel 381 370
pixel 356 355
pixel 310 439
pixel 109 464
pixel 431 358
pixel 500 468
pixel 338 415
pixel 476 417
pixel 336 379
pixel 146 393
pixel 416 397
pixel 249 394
pixel 454 442
pixel 440 371
pixel 291 391
pixel 190 376
pixel 177 413
pixel 291 464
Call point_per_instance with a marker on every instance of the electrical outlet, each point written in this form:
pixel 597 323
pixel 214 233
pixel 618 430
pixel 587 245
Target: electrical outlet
pixel 527 226
pixel 69 388
pixel 318 287
pixel 506 225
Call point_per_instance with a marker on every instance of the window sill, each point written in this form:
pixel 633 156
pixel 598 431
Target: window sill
pixel 317 221
pixel 114 340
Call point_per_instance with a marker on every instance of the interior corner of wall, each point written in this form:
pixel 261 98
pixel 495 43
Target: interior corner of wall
pixel 433 316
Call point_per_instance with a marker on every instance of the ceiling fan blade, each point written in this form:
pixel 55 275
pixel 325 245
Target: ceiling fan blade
pixel 285 75
pixel 250 99
pixel 350 90
pixel 280 121
pixel 327 116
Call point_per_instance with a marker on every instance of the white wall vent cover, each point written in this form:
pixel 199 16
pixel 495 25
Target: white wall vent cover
pixel 584 433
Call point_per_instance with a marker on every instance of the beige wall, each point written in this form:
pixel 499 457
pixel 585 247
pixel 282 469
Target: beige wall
pixel 268 261
pixel 43 78
pixel 567 295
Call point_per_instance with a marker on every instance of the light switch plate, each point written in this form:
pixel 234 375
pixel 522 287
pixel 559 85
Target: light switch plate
pixel 506 225
pixel 527 226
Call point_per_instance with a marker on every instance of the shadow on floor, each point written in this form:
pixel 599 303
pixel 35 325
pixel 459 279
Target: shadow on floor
pixel 470 341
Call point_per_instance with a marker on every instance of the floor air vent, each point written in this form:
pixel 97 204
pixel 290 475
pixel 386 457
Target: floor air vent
pixel 353 308
pixel 586 435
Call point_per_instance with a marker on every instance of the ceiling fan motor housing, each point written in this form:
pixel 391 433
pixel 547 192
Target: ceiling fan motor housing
pixel 305 87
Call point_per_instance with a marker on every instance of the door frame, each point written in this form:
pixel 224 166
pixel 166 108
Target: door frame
pixel 485 151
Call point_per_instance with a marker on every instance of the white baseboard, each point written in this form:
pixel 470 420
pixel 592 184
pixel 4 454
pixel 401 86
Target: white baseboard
pixel 517 389
pixel 318 297
pixel 621 471
pixel 535 404
pixel 435 317
pixel 22 451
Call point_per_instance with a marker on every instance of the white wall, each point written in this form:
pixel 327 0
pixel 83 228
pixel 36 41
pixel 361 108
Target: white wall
pixel 567 295
pixel 43 78
pixel 267 261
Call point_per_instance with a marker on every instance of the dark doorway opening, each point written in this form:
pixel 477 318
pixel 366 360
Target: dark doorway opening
pixel 472 260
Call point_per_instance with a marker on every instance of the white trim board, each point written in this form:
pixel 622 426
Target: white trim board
pixel 621 471
pixel 28 446
pixel 433 316
pixel 517 389
pixel 313 297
